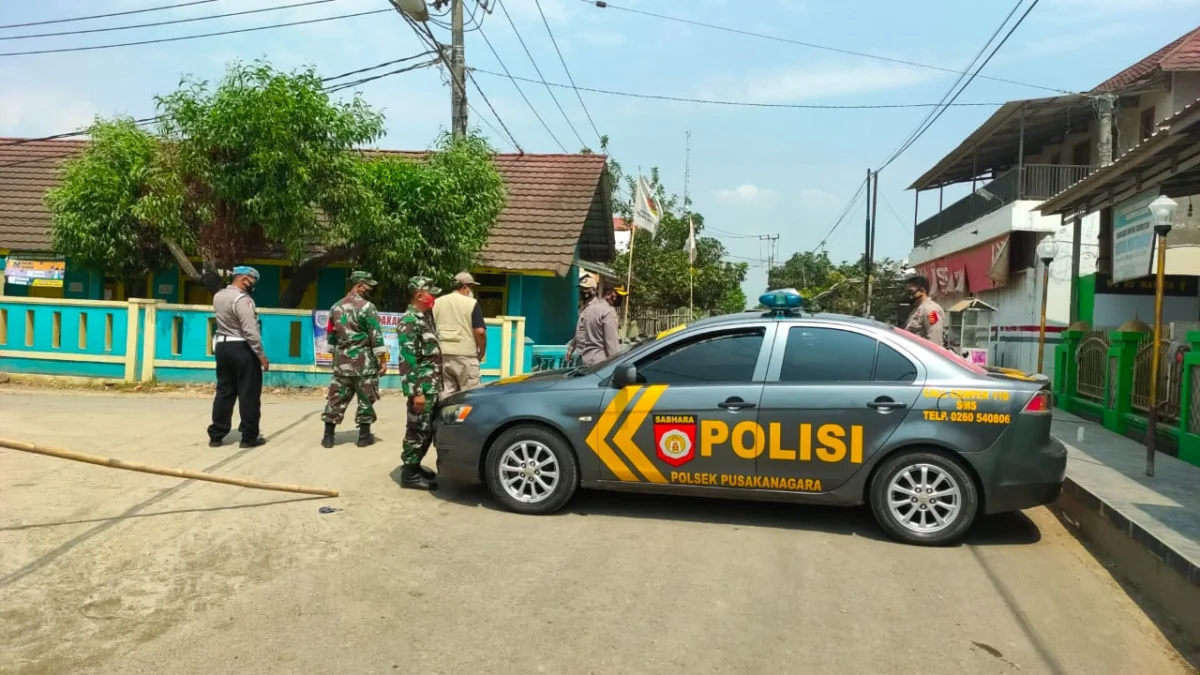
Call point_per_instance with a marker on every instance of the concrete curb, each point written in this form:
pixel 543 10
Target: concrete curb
pixel 1162 574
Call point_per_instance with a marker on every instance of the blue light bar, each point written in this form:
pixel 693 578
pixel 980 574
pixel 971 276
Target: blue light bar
pixel 786 298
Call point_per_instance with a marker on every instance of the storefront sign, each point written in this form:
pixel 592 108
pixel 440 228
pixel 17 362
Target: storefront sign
pixel 981 268
pixel 1173 286
pixel 323 355
pixel 1133 237
pixel 35 270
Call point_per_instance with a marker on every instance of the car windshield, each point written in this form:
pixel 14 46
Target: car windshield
pixel 949 355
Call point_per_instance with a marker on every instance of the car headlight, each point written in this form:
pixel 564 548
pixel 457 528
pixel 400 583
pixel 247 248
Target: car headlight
pixel 455 414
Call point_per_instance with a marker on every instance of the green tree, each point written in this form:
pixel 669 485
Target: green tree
pixel 838 287
pixel 437 213
pixel 261 161
pixel 93 208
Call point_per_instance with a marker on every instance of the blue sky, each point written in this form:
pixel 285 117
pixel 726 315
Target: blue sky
pixel 753 171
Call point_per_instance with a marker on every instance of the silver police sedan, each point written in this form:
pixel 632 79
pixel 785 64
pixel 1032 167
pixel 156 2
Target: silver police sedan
pixel 780 405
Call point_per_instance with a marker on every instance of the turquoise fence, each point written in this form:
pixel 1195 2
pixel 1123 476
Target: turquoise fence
pixel 149 340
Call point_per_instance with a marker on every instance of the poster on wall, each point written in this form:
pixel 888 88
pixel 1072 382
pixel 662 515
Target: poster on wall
pixel 35 270
pixel 1133 237
pixel 323 356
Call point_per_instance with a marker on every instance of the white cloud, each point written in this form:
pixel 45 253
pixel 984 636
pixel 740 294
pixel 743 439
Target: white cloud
pixel 36 112
pixel 792 84
pixel 747 194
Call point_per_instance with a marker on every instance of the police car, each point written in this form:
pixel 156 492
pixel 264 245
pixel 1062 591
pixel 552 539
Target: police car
pixel 781 405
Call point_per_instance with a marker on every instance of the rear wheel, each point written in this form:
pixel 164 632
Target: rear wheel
pixel 531 469
pixel 924 498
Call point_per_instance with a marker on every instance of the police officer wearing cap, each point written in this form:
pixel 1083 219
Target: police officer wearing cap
pixel 241 361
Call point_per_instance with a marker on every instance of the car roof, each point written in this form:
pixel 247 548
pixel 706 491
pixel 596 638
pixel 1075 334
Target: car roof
pixel 821 317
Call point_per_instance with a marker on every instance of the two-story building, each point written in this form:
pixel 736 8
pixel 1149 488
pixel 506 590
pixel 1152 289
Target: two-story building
pixel 984 245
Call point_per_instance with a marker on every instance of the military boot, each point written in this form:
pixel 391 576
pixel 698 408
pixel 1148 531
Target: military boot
pixel 327 439
pixel 412 478
pixel 365 437
pixel 428 473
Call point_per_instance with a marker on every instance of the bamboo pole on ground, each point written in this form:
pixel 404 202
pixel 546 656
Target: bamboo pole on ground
pixel 161 471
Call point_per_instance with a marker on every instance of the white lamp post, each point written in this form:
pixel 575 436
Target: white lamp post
pixel 414 8
pixel 1162 210
pixel 1047 249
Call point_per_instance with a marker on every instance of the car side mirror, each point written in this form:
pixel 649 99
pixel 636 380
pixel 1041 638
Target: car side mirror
pixel 624 376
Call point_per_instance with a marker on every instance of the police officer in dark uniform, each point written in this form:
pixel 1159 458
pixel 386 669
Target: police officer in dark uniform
pixel 241 361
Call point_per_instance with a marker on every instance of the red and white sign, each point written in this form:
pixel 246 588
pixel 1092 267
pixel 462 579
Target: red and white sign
pixel 976 269
pixel 675 438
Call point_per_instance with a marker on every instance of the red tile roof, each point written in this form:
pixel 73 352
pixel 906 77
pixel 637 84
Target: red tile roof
pixel 555 203
pixel 620 224
pixel 1181 55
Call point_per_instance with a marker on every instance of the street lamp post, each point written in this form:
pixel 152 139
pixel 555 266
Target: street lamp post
pixel 1046 250
pixel 414 8
pixel 1162 210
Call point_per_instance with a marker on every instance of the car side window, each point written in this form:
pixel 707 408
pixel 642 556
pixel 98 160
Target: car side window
pixel 814 354
pixel 892 366
pixel 719 359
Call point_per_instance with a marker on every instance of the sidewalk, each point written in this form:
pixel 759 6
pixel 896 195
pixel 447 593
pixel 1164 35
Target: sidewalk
pixel 1148 527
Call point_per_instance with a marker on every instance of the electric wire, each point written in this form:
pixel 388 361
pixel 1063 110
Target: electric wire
pixel 179 38
pixel 841 218
pixel 606 5
pixel 538 70
pixel 750 104
pixel 522 93
pixel 570 79
pixel 355 83
pixel 166 23
pixel 105 16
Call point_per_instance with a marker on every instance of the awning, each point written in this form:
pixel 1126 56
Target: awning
pixel 970 304
pixel 980 268
pixel 597 268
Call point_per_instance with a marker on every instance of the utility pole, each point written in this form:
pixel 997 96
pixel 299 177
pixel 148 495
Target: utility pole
pixel 687 210
pixel 867 250
pixel 871 239
pixel 458 71
pixel 1105 145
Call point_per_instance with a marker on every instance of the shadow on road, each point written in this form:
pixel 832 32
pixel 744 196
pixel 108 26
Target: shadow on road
pixel 999 530
pixel 34 526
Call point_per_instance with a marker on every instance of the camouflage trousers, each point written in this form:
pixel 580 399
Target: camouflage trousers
pixel 418 432
pixel 342 389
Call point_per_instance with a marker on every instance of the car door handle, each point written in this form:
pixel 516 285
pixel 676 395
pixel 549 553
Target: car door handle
pixel 735 404
pixel 887 404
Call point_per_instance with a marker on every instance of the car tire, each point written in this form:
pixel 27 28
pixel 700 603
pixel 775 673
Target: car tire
pixel 550 457
pixel 936 488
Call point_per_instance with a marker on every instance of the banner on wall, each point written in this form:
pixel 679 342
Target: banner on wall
pixel 322 355
pixel 1174 286
pixel 35 270
pixel 1133 237
pixel 976 269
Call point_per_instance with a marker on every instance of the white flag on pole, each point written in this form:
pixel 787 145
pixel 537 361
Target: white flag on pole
pixel 646 210
pixel 691 242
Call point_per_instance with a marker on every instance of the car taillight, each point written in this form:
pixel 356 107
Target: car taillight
pixel 1040 403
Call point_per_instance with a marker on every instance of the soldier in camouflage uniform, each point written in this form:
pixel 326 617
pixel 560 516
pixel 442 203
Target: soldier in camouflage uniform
pixel 359 357
pixel 420 373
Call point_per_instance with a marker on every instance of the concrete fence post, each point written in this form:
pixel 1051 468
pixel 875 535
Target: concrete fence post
pixel 132 331
pixel 1066 368
pixel 506 347
pixel 1189 424
pixel 1118 379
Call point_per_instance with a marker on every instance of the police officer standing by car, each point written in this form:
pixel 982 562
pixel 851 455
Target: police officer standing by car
pixel 926 318
pixel 241 361
pixel 596 333
pixel 420 371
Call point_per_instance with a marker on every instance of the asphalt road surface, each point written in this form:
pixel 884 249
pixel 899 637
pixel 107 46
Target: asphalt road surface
pixel 106 571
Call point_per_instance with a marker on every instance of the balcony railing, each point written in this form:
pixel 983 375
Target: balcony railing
pixel 1038 181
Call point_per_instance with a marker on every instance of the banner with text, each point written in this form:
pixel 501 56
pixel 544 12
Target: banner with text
pixel 323 355
pixel 29 271
pixel 1133 237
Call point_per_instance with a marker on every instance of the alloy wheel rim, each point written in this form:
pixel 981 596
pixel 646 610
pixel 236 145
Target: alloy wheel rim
pixel 924 498
pixel 529 471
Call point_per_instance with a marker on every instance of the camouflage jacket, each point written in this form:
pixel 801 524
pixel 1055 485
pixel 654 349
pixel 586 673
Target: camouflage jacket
pixel 355 337
pixel 420 367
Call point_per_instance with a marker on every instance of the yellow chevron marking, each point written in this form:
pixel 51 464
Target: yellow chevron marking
pixel 623 439
pixel 596 439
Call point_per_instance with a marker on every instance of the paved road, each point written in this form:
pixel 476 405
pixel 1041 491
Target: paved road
pixel 105 571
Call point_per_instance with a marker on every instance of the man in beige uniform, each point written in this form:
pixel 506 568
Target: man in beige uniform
pixel 927 318
pixel 596 333
pixel 462 334
pixel 241 360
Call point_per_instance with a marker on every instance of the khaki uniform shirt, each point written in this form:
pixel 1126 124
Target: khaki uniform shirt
pixel 237 317
pixel 928 320
pixel 596 333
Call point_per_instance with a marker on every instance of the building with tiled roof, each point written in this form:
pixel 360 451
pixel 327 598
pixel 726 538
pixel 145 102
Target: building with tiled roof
pixel 558 217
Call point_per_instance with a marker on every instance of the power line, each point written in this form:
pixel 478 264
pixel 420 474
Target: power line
pixel 605 5
pixel 377 66
pixel 523 96
pixel 166 23
pixel 841 218
pixel 355 83
pixel 105 16
pixel 538 70
pixel 490 125
pixel 935 115
pixel 565 68
pixel 894 214
pixel 750 104
pixel 198 36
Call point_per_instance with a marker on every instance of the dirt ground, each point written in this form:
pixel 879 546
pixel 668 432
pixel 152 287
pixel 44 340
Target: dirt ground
pixel 113 572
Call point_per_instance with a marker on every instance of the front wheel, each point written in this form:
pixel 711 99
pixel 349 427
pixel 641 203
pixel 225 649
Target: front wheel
pixel 531 469
pixel 924 498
